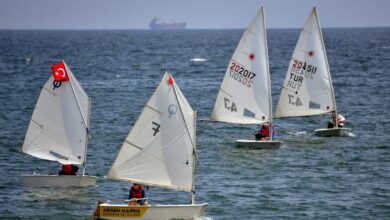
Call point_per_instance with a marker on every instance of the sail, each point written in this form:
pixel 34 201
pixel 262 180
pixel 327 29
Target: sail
pixel 58 126
pixel 244 96
pixel 159 149
pixel 307 88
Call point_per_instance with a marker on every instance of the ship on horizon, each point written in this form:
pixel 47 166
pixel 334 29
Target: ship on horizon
pixel 156 24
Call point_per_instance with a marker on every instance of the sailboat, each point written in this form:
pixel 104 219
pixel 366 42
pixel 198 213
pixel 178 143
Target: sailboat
pixel 58 129
pixel 307 89
pixel 245 93
pixel 159 151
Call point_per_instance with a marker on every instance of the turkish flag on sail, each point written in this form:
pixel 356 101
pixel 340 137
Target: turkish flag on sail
pixel 59 72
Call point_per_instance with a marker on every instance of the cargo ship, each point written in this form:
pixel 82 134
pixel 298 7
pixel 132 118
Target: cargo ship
pixel 156 24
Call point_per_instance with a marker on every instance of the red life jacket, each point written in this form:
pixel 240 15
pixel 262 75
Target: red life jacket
pixel 67 168
pixel 137 195
pixel 264 131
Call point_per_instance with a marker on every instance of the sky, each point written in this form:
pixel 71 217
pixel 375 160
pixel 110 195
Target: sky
pixel 199 14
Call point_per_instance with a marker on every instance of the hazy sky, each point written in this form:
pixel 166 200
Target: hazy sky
pixel 199 14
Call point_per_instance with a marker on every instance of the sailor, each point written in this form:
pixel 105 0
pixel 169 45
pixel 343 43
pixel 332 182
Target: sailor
pixel 137 195
pixel 263 133
pixel 68 169
pixel 340 121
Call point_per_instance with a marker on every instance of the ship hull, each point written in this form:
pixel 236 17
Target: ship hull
pixel 180 26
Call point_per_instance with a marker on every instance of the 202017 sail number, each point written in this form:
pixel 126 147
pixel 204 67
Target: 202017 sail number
pixel 294 101
pixel 232 107
pixel 242 75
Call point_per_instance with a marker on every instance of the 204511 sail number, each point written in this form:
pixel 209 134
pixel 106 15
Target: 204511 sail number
pixel 241 75
pixel 302 68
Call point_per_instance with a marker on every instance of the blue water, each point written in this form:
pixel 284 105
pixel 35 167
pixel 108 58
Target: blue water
pixel 308 178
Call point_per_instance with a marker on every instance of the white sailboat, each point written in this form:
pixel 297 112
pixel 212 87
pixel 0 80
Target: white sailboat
pixel 159 151
pixel 245 93
pixel 58 130
pixel 307 89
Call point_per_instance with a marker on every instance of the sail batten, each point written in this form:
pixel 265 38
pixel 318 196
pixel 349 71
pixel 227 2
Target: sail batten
pixel 58 126
pixel 246 77
pixel 164 139
pixel 307 88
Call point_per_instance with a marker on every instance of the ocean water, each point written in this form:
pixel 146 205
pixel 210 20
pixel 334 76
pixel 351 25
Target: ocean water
pixel 308 178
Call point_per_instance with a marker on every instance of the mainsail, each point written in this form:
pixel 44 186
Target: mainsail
pixel 244 96
pixel 58 128
pixel 307 88
pixel 160 148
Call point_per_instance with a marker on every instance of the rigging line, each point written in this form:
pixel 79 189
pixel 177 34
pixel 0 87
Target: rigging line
pixel 268 74
pixel 78 104
pixel 181 112
pixel 192 142
pixel 82 116
pixel 327 65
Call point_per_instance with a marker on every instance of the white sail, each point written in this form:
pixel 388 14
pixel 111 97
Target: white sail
pixel 58 128
pixel 159 149
pixel 307 88
pixel 244 96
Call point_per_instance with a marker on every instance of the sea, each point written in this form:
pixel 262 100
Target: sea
pixel 309 177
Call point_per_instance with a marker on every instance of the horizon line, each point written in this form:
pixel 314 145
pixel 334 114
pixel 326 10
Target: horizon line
pixel 186 29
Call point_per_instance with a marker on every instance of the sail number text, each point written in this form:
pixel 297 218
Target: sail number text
pixel 303 68
pixel 294 101
pixel 242 75
pixel 299 72
pixel 231 107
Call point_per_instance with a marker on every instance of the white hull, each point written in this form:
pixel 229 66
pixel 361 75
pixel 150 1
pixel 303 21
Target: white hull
pixel 124 211
pixel 259 144
pixel 333 132
pixel 58 181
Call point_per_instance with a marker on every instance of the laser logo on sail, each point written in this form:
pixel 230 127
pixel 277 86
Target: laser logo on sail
pixel 172 109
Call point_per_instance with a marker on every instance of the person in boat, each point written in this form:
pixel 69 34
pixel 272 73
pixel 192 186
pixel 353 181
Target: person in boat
pixel 340 121
pixel 137 195
pixel 69 169
pixel 263 133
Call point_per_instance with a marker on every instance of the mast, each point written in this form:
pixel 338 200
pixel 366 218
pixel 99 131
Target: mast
pixel 192 141
pixel 328 69
pixel 268 76
pixel 87 137
pixel 194 162
pixel 84 120
pixel 78 103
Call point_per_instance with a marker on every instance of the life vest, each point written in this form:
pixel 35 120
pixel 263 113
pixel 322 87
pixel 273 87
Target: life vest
pixel 67 168
pixel 264 131
pixel 137 195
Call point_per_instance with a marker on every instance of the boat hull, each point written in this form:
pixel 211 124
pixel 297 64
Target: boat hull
pixel 259 144
pixel 124 211
pixel 58 180
pixel 333 132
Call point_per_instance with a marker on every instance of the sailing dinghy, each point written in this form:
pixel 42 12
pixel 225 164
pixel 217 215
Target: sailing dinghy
pixel 58 129
pixel 245 93
pixel 307 89
pixel 159 151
